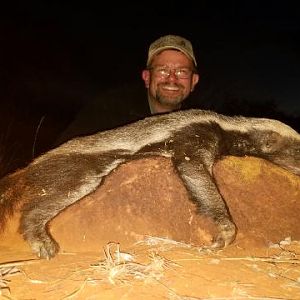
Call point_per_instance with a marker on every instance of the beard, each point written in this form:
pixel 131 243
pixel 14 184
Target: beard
pixel 170 94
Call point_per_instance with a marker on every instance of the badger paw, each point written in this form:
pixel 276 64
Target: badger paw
pixel 227 234
pixel 46 248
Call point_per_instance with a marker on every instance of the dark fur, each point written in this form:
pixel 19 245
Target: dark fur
pixel 193 139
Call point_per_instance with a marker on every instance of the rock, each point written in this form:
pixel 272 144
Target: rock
pixel 147 198
pixel 263 199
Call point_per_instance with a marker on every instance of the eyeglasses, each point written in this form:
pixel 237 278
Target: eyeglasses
pixel 165 72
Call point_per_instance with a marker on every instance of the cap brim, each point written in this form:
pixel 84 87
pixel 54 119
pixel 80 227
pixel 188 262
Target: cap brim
pixel 170 47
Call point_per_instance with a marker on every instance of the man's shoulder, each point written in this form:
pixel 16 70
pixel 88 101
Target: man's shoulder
pixel 109 109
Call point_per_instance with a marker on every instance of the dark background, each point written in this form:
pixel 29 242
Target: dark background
pixel 58 58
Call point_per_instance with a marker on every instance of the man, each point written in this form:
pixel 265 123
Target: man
pixel 171 73
pixel 170 76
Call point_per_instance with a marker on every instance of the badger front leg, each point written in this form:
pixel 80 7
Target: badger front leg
pixel 205 194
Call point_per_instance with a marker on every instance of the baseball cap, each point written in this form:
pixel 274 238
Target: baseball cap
pixel 171 42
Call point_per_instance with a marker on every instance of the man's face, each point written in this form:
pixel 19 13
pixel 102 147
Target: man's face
pixel 170 79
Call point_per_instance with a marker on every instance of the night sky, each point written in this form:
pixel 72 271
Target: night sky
pixel 56 58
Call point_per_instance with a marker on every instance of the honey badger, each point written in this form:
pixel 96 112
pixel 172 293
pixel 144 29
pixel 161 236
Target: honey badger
pixel 193 139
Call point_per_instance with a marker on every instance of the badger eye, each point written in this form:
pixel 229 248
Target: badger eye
pixel 268 146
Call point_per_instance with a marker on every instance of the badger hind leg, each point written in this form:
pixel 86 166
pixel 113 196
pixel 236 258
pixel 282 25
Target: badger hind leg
pixel 54 184
pixel 37 213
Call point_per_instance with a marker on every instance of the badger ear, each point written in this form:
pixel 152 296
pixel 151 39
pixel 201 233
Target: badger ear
pixel 271 141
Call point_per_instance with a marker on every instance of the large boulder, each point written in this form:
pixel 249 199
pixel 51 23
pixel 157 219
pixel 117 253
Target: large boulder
pixel 147 198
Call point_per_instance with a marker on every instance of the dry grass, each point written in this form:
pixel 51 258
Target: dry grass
pixel 120 267
pixel 5 272
pixel 8 269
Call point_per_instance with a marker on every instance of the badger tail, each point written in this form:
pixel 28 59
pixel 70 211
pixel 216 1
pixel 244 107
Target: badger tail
pixel 11 189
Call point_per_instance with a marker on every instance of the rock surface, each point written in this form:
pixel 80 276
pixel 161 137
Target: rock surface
pixel 146 198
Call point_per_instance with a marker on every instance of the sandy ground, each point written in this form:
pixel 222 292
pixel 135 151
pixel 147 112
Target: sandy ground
pixel 155 269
